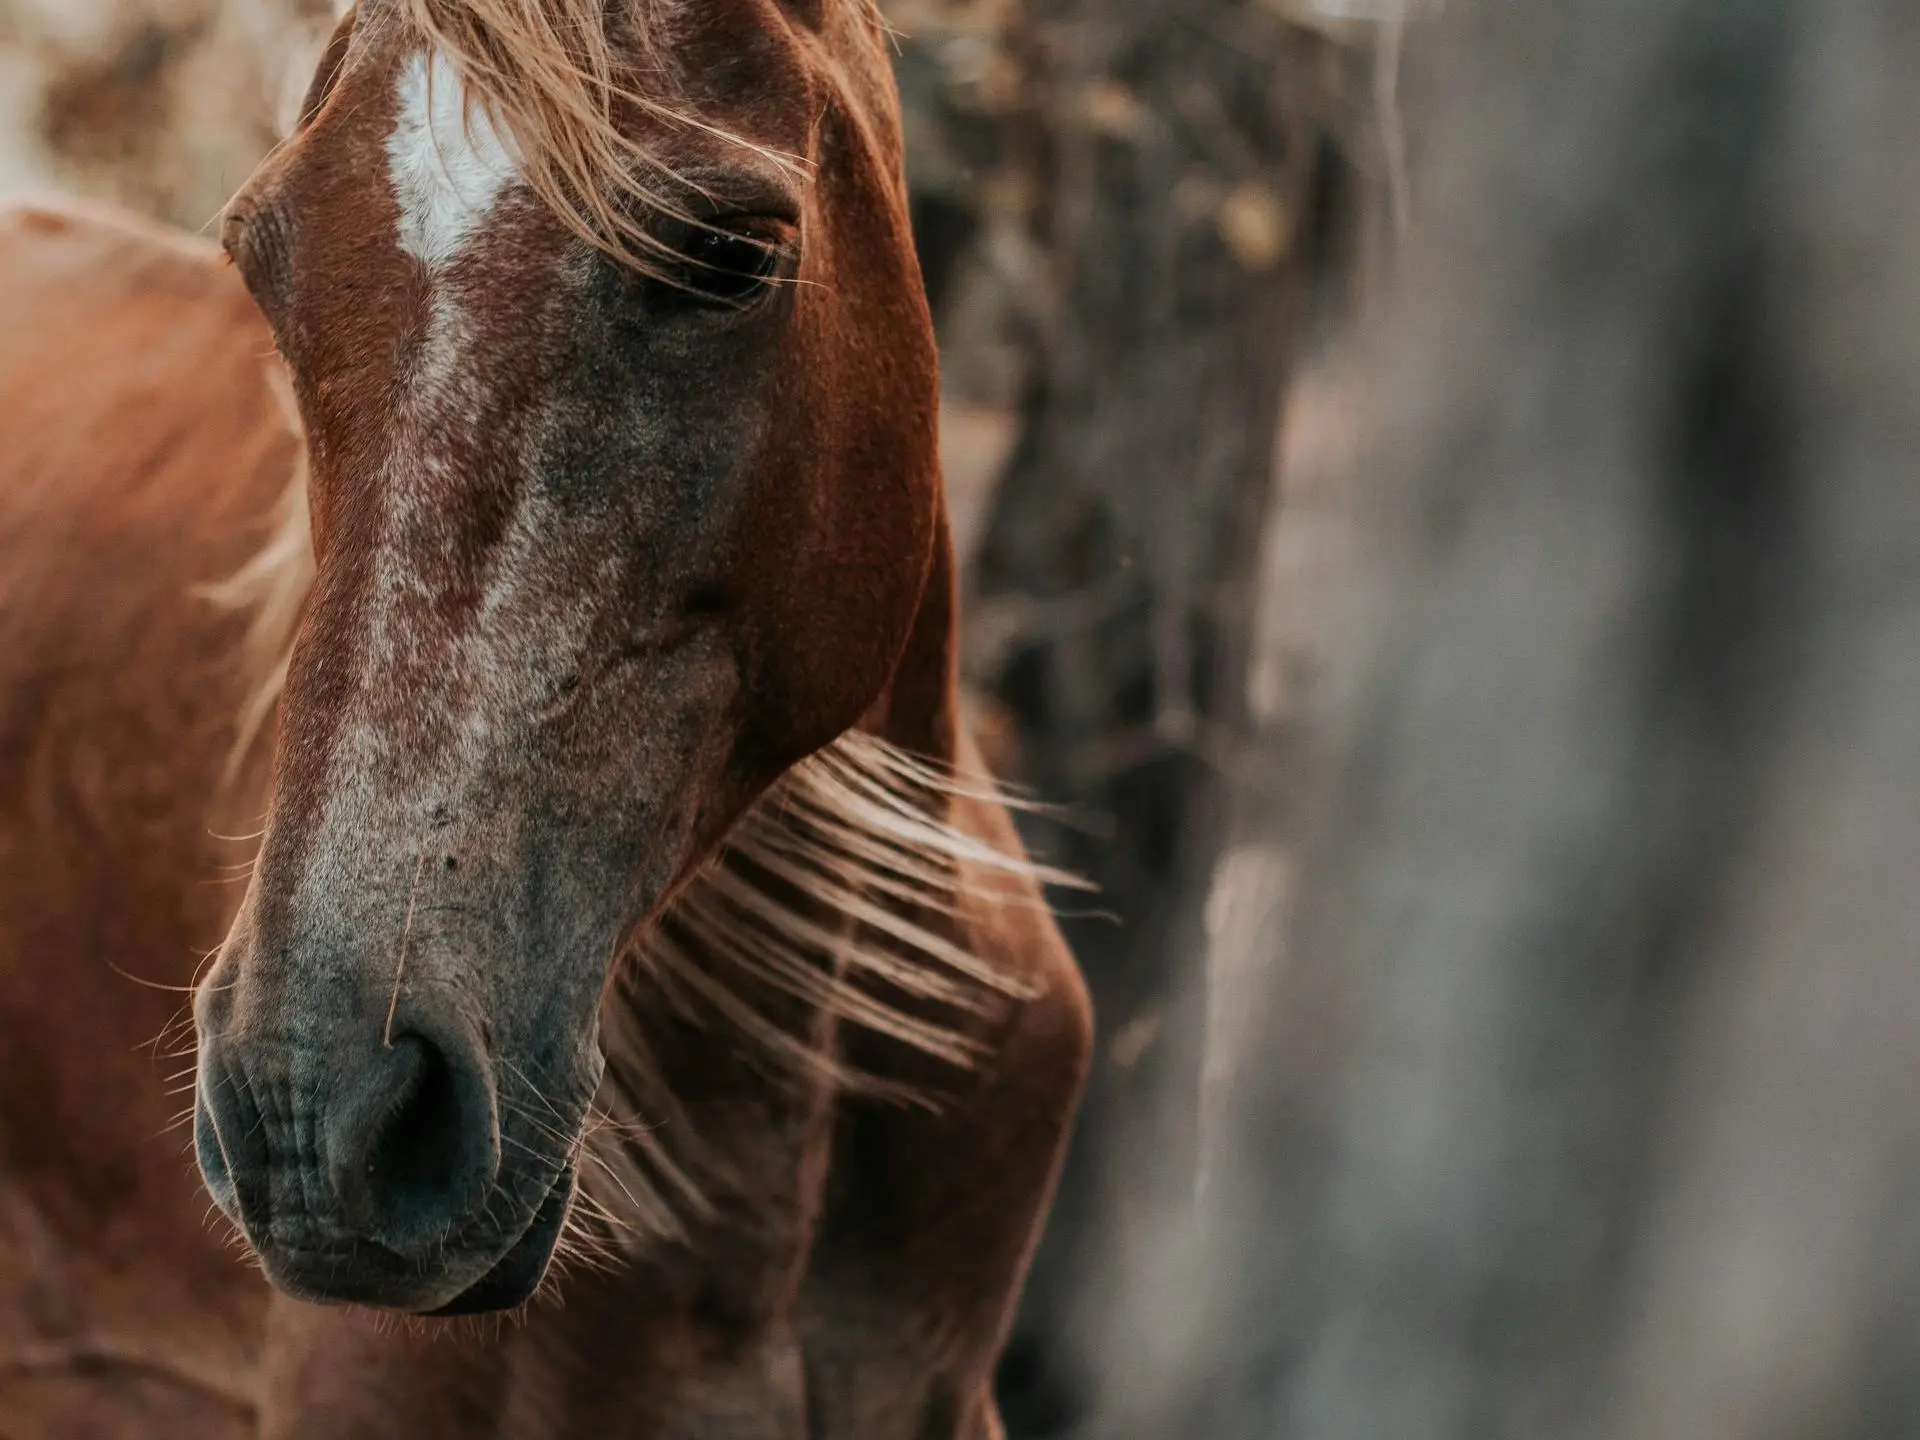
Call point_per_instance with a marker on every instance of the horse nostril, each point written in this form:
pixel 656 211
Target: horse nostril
pixel 416 1148
pixel 416 1145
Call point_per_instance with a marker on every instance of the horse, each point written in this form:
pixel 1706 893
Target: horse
pixel 486 633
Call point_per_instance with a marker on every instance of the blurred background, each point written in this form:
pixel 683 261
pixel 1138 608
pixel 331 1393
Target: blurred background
pixel 1439 511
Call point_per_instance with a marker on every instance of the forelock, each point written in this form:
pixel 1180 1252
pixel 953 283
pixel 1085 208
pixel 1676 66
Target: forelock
pixel 556 76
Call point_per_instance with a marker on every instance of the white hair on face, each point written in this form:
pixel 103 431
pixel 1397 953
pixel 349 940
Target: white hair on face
pixel 448 162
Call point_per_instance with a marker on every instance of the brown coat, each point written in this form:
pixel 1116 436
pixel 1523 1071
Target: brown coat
pixel 867 1297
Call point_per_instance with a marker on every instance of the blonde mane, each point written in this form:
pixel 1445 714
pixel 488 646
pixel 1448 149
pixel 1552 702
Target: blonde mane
pixel 557 77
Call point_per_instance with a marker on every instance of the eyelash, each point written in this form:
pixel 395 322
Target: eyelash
pixel 730 264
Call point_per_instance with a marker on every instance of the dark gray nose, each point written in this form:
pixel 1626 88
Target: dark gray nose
pixel 227 1122
pixel 411 1139
pixel 397 1144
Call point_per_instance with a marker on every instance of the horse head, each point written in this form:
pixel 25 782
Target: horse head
pixel 619 393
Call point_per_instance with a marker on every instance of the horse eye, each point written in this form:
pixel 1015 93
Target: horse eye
pixel 728 267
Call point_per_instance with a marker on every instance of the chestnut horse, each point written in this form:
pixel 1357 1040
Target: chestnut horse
pixel 628 887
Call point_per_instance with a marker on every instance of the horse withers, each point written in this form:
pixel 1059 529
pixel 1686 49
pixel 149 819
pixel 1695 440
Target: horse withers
pixel 628 888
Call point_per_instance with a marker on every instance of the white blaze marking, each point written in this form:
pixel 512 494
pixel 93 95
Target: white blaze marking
pixel 447 166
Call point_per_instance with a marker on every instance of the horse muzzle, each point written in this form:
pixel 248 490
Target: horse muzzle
pixel 371 1172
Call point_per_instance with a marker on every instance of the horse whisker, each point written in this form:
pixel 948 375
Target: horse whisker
pixel 400 966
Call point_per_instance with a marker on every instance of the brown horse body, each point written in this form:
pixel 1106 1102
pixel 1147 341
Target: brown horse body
pixel 142 456
pixel 836 1174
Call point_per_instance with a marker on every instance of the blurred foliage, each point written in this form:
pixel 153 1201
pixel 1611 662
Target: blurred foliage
pixel 164 106
pixel 971 74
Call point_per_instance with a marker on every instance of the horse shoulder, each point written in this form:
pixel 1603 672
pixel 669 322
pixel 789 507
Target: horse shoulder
pixel 932 1213
pixel 144 453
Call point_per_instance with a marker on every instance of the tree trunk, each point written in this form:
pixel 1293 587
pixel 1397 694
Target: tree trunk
pixel 1114 594
pixel 1581 1099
